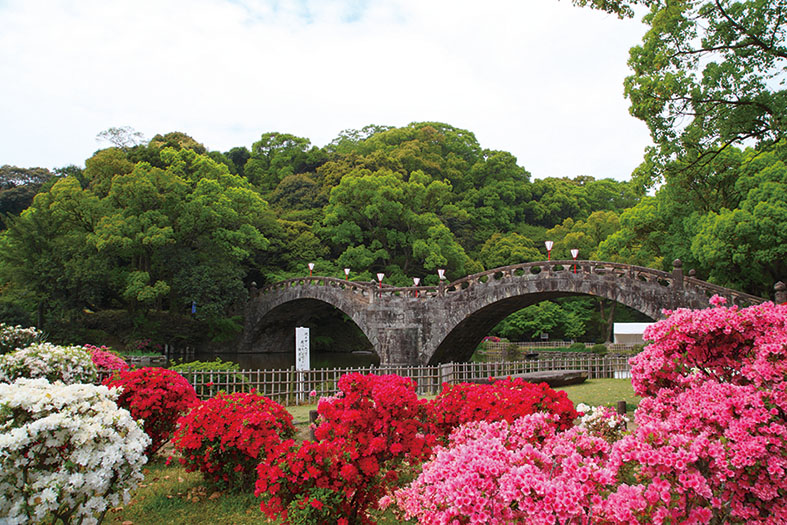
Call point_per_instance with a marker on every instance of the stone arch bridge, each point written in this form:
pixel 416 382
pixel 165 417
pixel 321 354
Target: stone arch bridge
pixel 432 324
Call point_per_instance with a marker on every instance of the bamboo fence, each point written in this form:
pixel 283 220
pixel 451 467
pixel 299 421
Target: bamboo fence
pixel 290 386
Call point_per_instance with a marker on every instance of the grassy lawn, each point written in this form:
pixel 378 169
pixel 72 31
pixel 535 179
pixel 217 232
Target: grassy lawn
pixel 170 495
pixel 606 392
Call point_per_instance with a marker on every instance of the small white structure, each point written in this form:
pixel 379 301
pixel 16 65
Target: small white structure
pixel 630 333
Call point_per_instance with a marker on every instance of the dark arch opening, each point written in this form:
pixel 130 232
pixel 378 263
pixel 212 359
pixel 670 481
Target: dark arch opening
pixel 465 337
pixel 336 341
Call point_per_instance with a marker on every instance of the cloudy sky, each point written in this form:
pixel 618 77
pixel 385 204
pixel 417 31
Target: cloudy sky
pixel 538 78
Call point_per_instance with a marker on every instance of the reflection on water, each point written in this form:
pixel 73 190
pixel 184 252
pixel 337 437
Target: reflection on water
pixel 287 360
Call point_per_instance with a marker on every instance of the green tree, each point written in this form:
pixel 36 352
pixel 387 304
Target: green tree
pixel 546 317
pixel 277 155
pixel 746 247
pixel 380 222
pixel 102 166
pixel 150 238
pixel 584 235
pixel 709 74
pixel 45 256
pixel 18 186
pixel 506 249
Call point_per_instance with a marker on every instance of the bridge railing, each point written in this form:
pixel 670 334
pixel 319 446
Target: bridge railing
pixel 549 268
pixel 289 386
pixel 710 289
pixel 543 269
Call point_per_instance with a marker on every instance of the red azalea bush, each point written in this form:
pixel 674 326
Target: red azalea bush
pixel 505 399
pixel 105 359
pixel 382 413
pixel 225 436
pixel 156 395
pixel 366 435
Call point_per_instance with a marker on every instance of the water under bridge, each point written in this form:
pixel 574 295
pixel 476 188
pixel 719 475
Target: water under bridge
pixel 433 324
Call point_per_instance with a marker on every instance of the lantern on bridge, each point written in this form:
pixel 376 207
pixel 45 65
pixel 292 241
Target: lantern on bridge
pixel 549 245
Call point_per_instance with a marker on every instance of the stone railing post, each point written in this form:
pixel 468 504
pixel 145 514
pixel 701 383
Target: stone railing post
pixel 677 274
pixel 780 293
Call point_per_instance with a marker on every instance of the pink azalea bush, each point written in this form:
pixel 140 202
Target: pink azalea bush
pixel 521 472
pixel 710 444
pixel 105 359
pixel 731 345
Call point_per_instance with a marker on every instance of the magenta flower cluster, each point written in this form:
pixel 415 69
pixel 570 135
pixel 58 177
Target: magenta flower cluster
pixel 105 359
pixel 710 444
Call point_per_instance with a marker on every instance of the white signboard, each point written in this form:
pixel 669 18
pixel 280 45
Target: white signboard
pixel 301 348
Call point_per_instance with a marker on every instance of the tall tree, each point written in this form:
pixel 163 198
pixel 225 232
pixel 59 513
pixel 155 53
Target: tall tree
pixel 380 222
pixel 277 155
pixel 709 74
pixel 124 137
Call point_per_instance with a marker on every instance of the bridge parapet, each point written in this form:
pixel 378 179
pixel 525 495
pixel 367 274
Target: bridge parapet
pixel 547 269
pixel 538 269
pixel 709 289
pixel 370 289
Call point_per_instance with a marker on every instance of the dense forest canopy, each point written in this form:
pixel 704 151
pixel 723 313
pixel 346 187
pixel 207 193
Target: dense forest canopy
pixel 150 228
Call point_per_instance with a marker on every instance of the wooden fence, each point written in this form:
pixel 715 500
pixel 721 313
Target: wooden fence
pixel 293 387
pixel 496 349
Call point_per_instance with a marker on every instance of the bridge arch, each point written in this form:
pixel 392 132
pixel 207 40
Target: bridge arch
pixel 489 297
pixel 272 315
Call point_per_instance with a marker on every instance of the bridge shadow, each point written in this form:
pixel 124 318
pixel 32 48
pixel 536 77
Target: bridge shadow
pixel 462 341
pixel 330 330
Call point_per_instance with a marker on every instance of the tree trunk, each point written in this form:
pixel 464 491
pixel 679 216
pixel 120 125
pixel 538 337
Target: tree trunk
pixel 611 322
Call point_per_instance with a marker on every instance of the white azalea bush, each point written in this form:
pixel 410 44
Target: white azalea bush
pixel 66 452
pixel 14 337
pixel 69 364
pixel 603 422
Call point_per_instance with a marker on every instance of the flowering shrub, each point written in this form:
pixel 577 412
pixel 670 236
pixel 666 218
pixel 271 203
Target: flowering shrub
pixel 381 413
pixel 105 359
pixel 732 345
pixel 203 383
pixel 718 450
pixel 505 399
pixel 144 346
pixel 602 421
pixel 710 444
pixel 69 364
pixel 15 337
pixel 367 434
pixel 500 473
pixel 716 414
pixel 66 452
pixel 156 395
pixel 224 436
